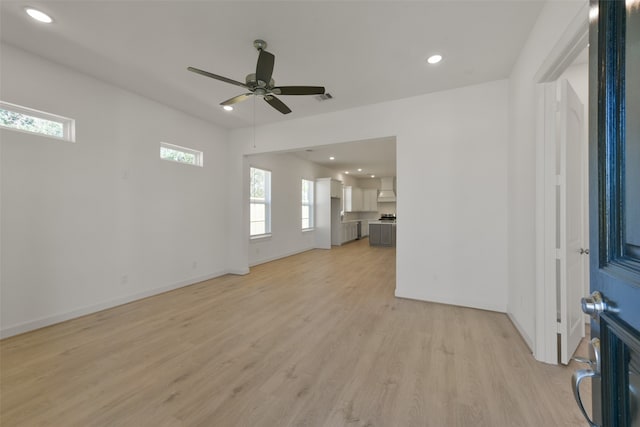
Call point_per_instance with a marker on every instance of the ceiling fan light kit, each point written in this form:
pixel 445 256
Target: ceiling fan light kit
pixel 261 84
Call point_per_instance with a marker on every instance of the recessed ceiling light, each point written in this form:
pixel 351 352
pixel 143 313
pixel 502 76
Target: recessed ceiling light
pixel 359 170
pixel 38 15
pixel 434 59
pixel 332 158
pixel 347 172
pixel 373 176
pixel 228 108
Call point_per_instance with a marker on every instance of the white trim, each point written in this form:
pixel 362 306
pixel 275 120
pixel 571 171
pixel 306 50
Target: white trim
pixel 311 204
pixel 458 300
pixel 83 311
pixel 525 337
pixel 570 44
pixel 260 237
pixel 266 203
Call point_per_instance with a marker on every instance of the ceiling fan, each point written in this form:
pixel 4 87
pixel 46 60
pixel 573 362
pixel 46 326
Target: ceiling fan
pixel 260 83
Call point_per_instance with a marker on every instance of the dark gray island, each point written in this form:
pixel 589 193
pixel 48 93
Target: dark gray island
pixel 382 233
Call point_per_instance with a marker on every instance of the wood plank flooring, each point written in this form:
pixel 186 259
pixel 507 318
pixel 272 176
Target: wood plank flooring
pixel 316 339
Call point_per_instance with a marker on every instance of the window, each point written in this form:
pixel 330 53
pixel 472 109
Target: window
pixel 260 202
pixel 28 120
pixel 175 153
pixel 307 204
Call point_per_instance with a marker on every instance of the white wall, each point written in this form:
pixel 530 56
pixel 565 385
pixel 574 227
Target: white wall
pixel 451 174
pixel 551 24
pixel 77 218
pixel 287 171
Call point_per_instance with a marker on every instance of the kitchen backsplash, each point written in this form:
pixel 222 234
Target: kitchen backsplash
pixel 383 208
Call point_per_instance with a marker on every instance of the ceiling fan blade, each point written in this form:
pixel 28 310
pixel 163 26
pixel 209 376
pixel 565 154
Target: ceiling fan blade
pixel 264 68
pixel 298 90
pixel 236 99
pixel 277 104
pixel 217 77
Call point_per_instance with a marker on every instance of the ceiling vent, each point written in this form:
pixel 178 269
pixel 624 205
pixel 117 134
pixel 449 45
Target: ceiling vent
pixel 324 97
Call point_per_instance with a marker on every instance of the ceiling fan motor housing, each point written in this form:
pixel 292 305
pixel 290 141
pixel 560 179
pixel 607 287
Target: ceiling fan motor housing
pixel 255 84
pixel 260 44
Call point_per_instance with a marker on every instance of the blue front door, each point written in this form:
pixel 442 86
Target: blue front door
pixel 614 153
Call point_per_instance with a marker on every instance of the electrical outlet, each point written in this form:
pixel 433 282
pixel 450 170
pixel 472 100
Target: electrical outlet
pixel 194 265
pixel 124 279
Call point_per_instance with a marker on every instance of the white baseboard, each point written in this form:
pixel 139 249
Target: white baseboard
pixel 238 272
pixel 57 318
pixel 527 339
pixel 460 302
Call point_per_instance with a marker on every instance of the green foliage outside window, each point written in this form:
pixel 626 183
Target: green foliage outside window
pixel 19 121
pixel 177 156
pixel 257 185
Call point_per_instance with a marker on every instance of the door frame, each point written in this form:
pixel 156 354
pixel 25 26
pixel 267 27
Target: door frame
pixel 572 42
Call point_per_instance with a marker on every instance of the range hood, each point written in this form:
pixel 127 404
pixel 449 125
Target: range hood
pixel 386 193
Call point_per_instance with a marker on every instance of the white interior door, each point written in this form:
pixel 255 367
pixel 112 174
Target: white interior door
pixel 572 256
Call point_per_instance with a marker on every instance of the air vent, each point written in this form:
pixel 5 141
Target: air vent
pixel 324 97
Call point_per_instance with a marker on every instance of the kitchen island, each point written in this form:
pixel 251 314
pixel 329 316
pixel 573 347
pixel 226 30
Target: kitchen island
pixel 382 233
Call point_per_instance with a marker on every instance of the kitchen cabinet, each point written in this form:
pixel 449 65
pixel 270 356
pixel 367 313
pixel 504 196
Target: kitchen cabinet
pixel 360 200
pixel 349 231
pixel 352 199
pixel 370 200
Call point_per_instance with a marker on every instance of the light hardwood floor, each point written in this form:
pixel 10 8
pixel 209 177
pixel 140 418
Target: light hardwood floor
pixel 316 339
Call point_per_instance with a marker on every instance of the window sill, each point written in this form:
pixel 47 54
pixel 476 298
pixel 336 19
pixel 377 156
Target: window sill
pixel 307 230
pixel 259 237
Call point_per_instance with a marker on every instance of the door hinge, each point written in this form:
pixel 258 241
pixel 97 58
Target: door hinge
pixel 558 253
pixel 559 179
pixel 559 327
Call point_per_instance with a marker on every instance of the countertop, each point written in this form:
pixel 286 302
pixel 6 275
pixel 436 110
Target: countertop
pixel 383 222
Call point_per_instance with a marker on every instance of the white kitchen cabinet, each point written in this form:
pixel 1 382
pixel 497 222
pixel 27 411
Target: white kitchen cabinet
pixel 354 199
pixel 347 200
pixel 349 231
pixel 357 199
pixel 370 200
pixel 360 200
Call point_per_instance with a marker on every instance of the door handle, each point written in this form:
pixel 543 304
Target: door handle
pixel 576 379
pixel 593 372
pixel 593 305
pixel 584 251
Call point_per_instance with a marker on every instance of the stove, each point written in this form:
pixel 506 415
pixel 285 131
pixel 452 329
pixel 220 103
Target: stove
pixel 387 217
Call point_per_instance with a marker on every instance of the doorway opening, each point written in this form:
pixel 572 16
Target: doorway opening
pixel 562 195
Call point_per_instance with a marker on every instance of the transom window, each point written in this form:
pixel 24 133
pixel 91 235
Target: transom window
pixel 260 202
pixel 307 204
pixel 23 119
pixel 176 153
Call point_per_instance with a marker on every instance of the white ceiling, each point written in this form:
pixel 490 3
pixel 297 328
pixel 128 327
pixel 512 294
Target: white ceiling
pixel 363 52
pixel 374 156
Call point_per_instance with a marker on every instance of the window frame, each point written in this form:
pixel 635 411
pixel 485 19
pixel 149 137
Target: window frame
pixel 310 203
pixel 198 155
pixel 68 124
pixel 266 202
